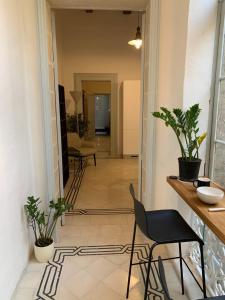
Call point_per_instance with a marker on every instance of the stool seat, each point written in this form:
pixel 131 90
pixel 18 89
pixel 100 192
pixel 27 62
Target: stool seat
pixel 168 226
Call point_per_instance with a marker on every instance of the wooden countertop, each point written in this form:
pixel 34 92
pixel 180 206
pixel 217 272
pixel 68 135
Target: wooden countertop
pixel 214 220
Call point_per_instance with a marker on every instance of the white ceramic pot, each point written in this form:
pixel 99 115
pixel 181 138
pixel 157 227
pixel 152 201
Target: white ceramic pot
pixel 44 254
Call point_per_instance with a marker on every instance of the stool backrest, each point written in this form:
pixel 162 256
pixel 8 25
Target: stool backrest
pixel 140 215
pixel 162 279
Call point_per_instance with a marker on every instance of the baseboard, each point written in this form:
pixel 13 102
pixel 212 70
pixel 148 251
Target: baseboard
pixel 129 156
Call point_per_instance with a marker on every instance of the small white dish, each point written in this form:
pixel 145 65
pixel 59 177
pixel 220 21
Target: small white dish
pixel 210 195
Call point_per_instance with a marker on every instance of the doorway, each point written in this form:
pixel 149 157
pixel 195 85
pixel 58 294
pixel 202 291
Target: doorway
pixel 97 95
pixel 97 114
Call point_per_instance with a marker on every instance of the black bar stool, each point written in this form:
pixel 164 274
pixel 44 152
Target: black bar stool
pixel 162 279
pixel 163 227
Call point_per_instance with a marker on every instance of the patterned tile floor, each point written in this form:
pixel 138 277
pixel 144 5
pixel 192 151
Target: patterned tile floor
pixel 92 251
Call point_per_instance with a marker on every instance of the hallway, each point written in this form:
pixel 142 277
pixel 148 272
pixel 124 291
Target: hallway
pixel 92 253
pixel 47 43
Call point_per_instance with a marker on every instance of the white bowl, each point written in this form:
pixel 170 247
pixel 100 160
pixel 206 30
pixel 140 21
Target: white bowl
pixel 210 195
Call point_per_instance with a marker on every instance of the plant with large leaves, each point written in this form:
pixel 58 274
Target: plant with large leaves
pixel 185 126
pixel 43 223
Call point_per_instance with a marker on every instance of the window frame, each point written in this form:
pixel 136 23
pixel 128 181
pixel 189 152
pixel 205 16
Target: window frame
pixel 214 102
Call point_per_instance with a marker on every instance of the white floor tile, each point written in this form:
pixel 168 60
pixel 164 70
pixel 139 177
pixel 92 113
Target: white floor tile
pixel 101 268
pixel 80 283
pixel 24 294
pixel 30 280
pixel 102 292
pixel 117 281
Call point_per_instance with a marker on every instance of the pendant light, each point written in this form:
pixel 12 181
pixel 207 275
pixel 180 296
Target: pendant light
pixel 137 42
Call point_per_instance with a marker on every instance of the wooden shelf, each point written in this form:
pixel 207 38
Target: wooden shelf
pixel 214 220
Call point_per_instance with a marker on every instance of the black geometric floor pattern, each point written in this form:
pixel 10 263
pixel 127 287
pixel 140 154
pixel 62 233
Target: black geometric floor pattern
pixel 51 276
pixel 75 185
pixel 101 211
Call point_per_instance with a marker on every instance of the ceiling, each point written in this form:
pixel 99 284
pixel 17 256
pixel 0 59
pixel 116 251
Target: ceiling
pixel 100 4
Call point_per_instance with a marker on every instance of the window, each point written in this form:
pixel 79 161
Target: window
pixel 217 149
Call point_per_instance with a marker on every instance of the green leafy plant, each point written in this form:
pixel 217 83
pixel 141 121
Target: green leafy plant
pixel 71 123
pixel 82 125
pixel 185 126
pixel 43 223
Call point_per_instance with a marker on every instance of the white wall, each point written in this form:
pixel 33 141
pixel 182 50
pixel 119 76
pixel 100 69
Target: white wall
pixel 95 43
pixel 22 165
pixel 172 54
pixel 186 45
pixel 199 59
pixel 201 38
pixel 185 33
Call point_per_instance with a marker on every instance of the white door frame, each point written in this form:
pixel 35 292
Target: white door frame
pixel 46 99
pixel 214 99
pixel 149 94
pixel 153 24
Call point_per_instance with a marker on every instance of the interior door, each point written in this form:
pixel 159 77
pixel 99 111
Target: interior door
pixel 91 115
pixel 65 162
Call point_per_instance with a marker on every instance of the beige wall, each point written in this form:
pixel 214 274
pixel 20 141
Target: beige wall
pixel 96 43
pixel 131 116
pixel 96 87
pixel 22 164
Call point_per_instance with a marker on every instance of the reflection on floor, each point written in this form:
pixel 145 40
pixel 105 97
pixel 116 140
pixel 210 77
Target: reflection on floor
pixel 103 146
pixel 92 252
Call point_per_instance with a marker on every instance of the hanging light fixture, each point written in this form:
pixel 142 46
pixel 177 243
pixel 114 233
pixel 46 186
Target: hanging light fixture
pixel 137 42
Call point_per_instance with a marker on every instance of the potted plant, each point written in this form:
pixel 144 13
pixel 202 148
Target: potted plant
pixel 43 225
pixel 185 126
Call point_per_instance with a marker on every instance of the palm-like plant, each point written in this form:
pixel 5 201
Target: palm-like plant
pixel 43 223
pixel 185 126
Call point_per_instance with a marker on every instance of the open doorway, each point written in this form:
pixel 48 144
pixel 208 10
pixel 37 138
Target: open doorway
pixel 100 73
pixel 93 93
pixel 97 114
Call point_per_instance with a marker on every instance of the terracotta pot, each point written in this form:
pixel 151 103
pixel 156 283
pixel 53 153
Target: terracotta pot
pixel 44 254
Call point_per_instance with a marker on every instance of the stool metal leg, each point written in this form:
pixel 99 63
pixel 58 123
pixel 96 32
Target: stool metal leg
pixel 203 270
pixel 148 270
pixel 131 259
pixel 181 269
